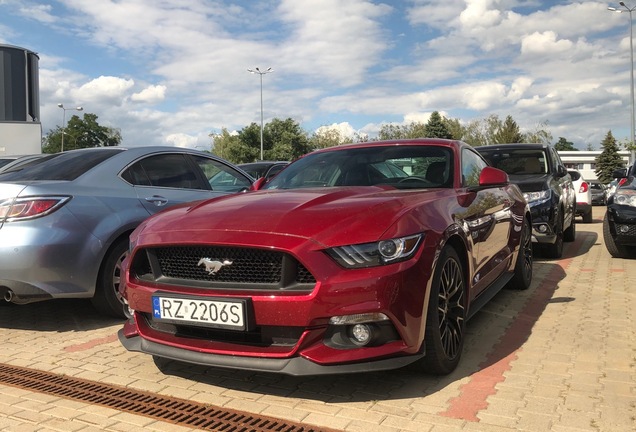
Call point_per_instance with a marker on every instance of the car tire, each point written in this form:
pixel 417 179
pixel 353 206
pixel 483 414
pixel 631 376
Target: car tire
pixel 615 250
pixel 569 235
pixel 107 298
pixel 522 277
pixel 446 316
pixel 555 250
pixel 587 217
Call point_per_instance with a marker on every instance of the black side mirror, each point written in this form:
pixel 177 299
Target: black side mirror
pixel 561 171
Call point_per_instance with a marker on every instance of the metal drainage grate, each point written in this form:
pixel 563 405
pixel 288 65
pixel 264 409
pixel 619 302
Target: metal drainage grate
pixel 169 409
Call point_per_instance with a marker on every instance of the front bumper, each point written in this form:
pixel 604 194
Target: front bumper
pixel 292 332
pixel 297 366
pixel 622 224
pixel 543 222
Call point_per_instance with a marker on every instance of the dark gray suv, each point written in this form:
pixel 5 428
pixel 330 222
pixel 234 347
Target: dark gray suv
pixel 540 174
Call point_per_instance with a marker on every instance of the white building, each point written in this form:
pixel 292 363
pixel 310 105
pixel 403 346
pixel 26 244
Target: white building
pixel 20 127
pixel 585 161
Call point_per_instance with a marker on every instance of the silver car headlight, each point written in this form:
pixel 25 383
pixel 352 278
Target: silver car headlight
pixel 376 253
pixel 625 197
pixel 535 197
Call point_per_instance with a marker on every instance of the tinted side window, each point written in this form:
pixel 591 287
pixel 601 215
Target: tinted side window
pixel 164 170
pixel 61 166
pixel 472 164
pixel 222 177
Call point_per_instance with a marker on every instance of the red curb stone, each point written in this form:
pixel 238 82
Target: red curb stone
pixel 90 344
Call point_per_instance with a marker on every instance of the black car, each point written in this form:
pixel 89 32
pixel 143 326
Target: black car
pixel 619 224
pixel 267 169
pixel 599 193
pixel 540 174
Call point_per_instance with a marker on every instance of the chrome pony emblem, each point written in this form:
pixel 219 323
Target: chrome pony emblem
pixel 213 266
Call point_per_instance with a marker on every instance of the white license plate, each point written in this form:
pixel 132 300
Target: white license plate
pixel 202 312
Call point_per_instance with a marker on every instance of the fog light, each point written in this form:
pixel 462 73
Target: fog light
pixel 543 228
pixel 361 334
pixel 623 229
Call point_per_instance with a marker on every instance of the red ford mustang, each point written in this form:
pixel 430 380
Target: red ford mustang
pixel 355 258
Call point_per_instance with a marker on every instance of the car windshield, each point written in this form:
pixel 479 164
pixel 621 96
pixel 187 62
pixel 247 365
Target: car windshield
pixel 60 166
pixel 401 166
pixel 517 162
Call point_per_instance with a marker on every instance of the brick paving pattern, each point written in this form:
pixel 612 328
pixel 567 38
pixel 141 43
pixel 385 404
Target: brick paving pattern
pixel 560 356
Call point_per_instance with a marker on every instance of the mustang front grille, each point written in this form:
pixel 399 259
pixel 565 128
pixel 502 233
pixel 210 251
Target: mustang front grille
pixel 222 267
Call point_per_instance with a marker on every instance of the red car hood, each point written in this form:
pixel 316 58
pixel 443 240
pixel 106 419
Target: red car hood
pixel 328 216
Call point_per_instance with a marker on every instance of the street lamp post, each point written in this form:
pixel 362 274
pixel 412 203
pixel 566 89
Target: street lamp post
pixel 631 49
pixel 79 108
pixel 261 73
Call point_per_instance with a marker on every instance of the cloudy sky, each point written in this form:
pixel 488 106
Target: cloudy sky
pixel 171 72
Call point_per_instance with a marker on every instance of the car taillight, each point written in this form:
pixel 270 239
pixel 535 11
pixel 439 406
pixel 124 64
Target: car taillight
pixel 29 208
pixel 584 187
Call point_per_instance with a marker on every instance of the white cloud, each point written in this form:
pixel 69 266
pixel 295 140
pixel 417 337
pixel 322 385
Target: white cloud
pixel 544 43
pixel 104 89
pixel 344 129
pixel 38 12
pixel 151 94
pixel 182 140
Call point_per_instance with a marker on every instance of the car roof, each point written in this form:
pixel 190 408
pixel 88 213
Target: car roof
pixel 414 141
pixel 527 146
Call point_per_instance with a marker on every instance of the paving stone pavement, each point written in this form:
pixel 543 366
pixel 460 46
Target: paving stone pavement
pixel 560 356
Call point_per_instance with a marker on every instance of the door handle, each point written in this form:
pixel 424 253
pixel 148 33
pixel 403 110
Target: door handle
pixel 157 200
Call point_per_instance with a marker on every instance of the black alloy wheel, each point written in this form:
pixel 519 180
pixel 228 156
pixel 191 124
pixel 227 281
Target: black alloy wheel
pixel 523 268
pixel 446 317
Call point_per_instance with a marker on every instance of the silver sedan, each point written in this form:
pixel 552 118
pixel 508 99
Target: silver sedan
pixel 65 219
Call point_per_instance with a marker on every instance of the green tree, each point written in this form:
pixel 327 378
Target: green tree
pixel 455 128
pixel 507 132
pixel 328 137
pixel 282 140
pixel 288 140
pixel 436 127
pixel 609 159
pixel 393 132
pixel 229 147
pixel 539 134
pixel 564 145
pixel 481 132
pixel 80 133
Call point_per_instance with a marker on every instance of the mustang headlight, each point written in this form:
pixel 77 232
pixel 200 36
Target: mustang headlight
pixel 376 253
pixel 533 197
pixel 625 197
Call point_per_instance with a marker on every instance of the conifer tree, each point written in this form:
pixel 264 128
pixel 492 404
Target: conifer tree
pixel 436 128
pixel 609 159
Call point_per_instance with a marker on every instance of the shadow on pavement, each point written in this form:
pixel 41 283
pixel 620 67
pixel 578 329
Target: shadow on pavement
pixel 59 316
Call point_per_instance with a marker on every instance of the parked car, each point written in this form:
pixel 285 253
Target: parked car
pixel 619 223
pixel 599 193
pixel 583 196
pixel 7 159
pixel 265 169
pixel 65 221
pixel 21 161
pixel 354 258
pixel 539 172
